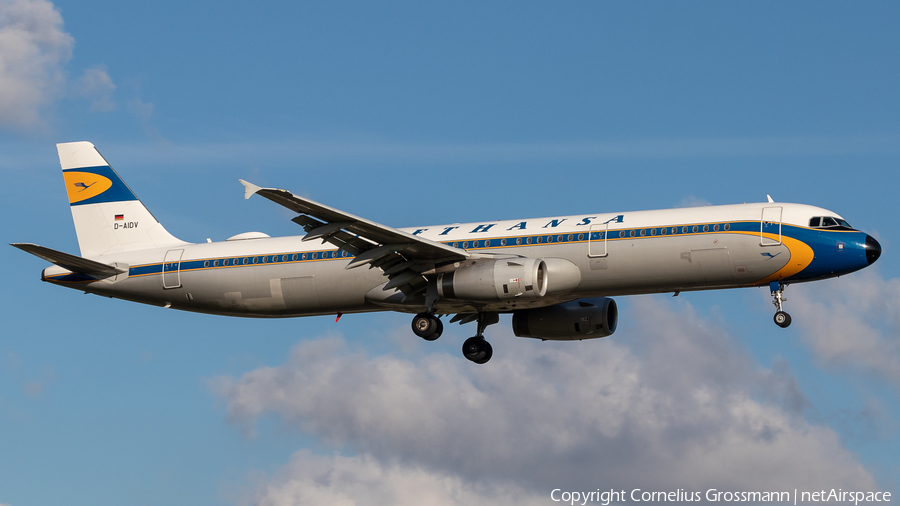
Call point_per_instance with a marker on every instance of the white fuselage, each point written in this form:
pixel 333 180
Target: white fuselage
pixel 612 254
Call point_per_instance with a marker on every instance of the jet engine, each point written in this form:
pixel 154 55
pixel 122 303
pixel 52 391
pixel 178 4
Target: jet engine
pixel 497 280
pixel 578 319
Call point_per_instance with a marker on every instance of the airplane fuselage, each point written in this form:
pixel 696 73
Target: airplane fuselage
pixel 626 253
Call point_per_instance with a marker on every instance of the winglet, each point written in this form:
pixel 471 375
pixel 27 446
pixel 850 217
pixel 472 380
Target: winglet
pixel 249 188
pixel 769 197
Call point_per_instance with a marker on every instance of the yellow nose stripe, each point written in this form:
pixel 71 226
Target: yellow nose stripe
pixel 84 185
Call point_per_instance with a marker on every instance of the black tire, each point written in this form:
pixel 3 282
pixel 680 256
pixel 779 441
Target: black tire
pixel 474 349
pixel 782 319
pixel 488 353
pixel 439 330
pixel 427 326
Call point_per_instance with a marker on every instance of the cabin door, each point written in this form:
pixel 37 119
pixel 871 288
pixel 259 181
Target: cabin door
pixel 597 240
pixel 172 269
pixel 770 226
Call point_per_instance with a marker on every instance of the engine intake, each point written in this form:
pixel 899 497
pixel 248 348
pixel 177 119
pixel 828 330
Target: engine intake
pixel 578 319
pixel 497 280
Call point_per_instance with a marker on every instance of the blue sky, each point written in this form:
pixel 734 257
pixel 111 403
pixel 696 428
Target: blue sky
pixel 415 114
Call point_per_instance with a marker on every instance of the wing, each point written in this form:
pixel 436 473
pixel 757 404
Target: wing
pixel 403 257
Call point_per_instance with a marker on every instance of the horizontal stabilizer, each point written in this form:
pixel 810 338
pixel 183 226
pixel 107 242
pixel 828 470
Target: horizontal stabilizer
pixel 70 262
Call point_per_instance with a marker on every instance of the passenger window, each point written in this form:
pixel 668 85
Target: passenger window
pixel 695 229
pixel 518 240
pixel 706 228
pixel 643 232
pixel 538 240
pixel 632 234
pixel 528 240
pixel 716 227
pixel 727 226
pixel 502 242
pixel 206 263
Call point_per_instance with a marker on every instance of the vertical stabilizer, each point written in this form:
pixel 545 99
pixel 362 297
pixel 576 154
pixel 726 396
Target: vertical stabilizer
pixel 109 218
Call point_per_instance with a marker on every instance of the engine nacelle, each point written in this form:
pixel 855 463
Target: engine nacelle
pixel 578 319
pixel 497 280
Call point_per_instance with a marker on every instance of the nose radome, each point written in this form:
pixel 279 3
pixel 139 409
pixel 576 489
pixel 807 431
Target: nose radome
pixel 873 249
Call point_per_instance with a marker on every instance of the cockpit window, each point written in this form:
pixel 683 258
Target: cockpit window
pixel 829 222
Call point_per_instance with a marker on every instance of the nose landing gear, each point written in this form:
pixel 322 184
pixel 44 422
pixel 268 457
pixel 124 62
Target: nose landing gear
pixel 782 319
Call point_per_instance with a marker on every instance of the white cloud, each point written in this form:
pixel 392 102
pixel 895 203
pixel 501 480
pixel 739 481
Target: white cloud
pixel 693 201
pixel 96 85
pixel 338 481
pixel 852 321
pixel 680 407
pixel 33 51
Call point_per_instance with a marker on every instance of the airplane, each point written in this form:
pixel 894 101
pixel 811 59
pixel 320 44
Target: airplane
pixel 555 275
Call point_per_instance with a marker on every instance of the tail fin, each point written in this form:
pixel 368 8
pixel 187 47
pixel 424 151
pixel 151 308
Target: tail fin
pixel 109 218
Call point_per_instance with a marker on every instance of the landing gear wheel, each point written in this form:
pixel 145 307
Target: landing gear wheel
pixel 782 319
pixel 488 353
pixel 427 326
pixel 477 350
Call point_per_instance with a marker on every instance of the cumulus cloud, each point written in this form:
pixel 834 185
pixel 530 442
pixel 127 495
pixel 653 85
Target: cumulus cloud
pixel 33 50
pixel 96 85
pixel 338 480
pixel 852 322
pixel 678 407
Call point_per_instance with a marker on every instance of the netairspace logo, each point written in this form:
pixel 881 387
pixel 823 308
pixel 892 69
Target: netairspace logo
pixel 607 497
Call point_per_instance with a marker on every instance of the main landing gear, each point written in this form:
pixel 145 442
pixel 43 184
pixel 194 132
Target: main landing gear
pixel 782 319
pixel 427 326
pixel 477 349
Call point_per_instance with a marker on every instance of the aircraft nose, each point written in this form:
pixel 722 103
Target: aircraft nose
pixel 873 249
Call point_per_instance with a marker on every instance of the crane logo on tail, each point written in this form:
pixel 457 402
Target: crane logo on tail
pixel 81 185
